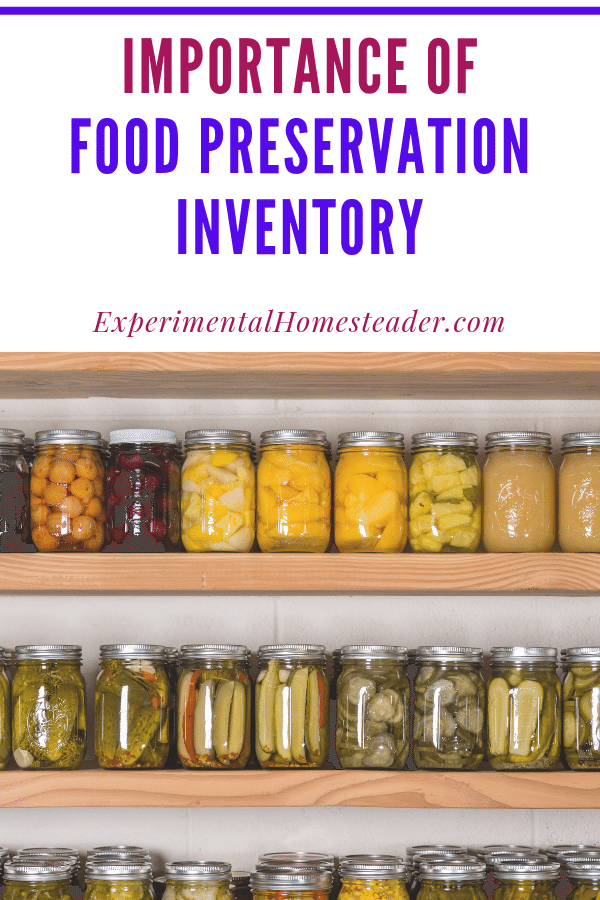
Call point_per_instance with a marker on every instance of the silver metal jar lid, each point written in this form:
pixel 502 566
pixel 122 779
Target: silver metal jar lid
pixel 581 655
pixel 577 439
pixel 521 870
pixel 556 849
pixel 524 654
pixel 290 652
pixel 118 858
pixel 12 437
pixel 497 849
pixel 372 866
pixel 227 436
pixel 441 857
pixel 214 652
pixel 68 436
pixel 453 871
pixel 583 871
pixel 51 871
pixel 445 440
pixel 26 652
pixel 307 880
pixel 153 652
pixel 577 856
pixel 424 849
pixel 299 858
pixel 50 851
pixel 119 848
pixel 450 654
pixel 240 879
pixel 533 439
pixel 373 651
pixel 198 870
pixel 99 870
pixel 371 439
pixel 171 654
pixel 142 436
pixel 526 856
pixel 285 436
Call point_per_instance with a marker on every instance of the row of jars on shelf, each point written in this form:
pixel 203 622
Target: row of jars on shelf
pixel 194 707
pixel 134 494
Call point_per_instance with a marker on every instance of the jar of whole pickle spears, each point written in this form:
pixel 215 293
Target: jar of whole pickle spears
pixel 5 717
pixel 519 511
pixel 522 879
pixel 67 485
pixel 276 885
pixel 373 695
pixel 445 493
pixel 524 708
pixel 452 880
pixel 370 877
pixel 48 705
pixel 449 710
pixel 43 880
pixel 292 700
pixel 14 493
pixel 214 706
pixel 370 493
pixel 132 707
pixel 218 499
pixel 294 492
pixel 581 707
pixel 198 881
pixel 579 493
pixel 130 880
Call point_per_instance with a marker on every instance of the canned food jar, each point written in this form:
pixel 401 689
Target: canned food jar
pixel 433 853
pixel 579 493
pixel 519 510
pixel 292 699
pixel 370 493
pixel 452 880
pixel 48 700
pixel 218 491
pixel 584 879
pixel 372 878
pixel 445 493
pixel 214 706
pixel 67 485
pixel 524 708
pixel 294 491
pixel 276 885
pixel 5 716
pixel 373 698
pixel 118 881
pixel 14 493
pixel 449 711
pixel 172 670
pixel 132 707
pixel 42 856
pixel 144 491
pixel 581 707
pixel 296 859
pixel 43 880
pixel 240 886
pixel 520 879
pixel 198 880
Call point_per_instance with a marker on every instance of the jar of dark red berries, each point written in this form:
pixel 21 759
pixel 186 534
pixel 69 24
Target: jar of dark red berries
pixel 14 493
pixel 144 491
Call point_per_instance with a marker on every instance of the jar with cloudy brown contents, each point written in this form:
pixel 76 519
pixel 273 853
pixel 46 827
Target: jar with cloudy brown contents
pixel 579 493
pixel 519 509
pixel 581 707
pixel 67 485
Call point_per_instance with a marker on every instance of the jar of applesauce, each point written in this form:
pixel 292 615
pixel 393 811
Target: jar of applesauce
pixel 294 491
pixel 445 493
pixel 581 707
pixel 519 879
pixel 284 885
pixel 579 493
pixel 452 880
pixel 218 501
pixel 68 503
pixel 519 510
pixel 370 493
pixel 372 877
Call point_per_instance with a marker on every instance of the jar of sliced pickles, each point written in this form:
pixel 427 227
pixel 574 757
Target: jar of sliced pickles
pixel 373 696
pixel 579 493
pixel 214 706
pixel 524 708
pixel 370 493
pixel 449 711
pixel 48 701
pixel 371 877
pixel 432 852
pixel 14 493
pixel 522 879
pixel 519 512
pixel 292 700
pixel 5 714
pixel 218 502
pixel 294 492
pixel 581 707
pixel 444 515
pixel 198 880
pixel 112 880
pixel 39 880
pixel 452 880
pixel 279 885
pixel 132 707
pixel 63 856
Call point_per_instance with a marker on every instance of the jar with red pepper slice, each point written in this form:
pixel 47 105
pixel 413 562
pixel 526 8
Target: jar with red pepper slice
pixel 144 488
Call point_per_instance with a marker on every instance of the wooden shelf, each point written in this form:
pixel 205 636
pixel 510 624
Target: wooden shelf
pixel 407 790
pixel 221 375
pixel 407 573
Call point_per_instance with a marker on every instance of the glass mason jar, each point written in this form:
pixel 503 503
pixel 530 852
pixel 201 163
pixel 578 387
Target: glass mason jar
pixel 218 491
pixel 132 707
pixel 279 885
pixel 43 856
pixel 372 878
pixel 519 510
pixel 5 716
pixel 68 503
pixel 584 879
pixel 296 859
pixel 522 880
pixel 581 707
pixel 370 493
pixel 14 493
pixel 29 451
pixel 240 886
pixel 172 670
pixel 452 880
pixel 48 702
pixel 579 493
pixel 449 711
pixel 373 699
pixel 36 880
pixel 198 881
pixel 214 704
pixel 144 491
pixel 524 708
pixel 292 700
pixel 293 492
pixel 445 493
pixel 436 853
pixel 113 880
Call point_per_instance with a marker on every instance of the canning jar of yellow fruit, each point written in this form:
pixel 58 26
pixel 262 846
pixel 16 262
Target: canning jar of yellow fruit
pixel 444 515
pixel 218 491
pixel 370 493
pixel 372 877
pixel 294 491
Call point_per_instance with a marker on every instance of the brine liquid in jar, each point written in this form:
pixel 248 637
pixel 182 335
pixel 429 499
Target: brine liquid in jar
pixel 581 707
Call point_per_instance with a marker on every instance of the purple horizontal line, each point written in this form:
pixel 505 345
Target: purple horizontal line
pixel 299 11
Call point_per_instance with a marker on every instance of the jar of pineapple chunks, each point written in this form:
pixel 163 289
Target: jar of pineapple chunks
pixel 444 515
pixel 198 881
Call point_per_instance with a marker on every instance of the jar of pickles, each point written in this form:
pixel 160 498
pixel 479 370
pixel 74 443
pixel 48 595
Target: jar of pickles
pixel 279 885
pixel 445 493
pixel 214 706
pixel 519 514
pixel 112 880
pixel 524 708
pixel 218 501
pixel 39 880
pixel 452 880
pixel 5 717
pixel 584 879
pixel 373 695
pixel 198 881
pixel 449 711
pixel 144 491
pixel 520 879
pixel 423 852
pixel 370 877
pixel 132 707
pixel 14 493
pixel 68 503
pixel 581 707
pixel 292 699
pixel 579 493
pixel 370 493
pixel 48 701
pixel 294 492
